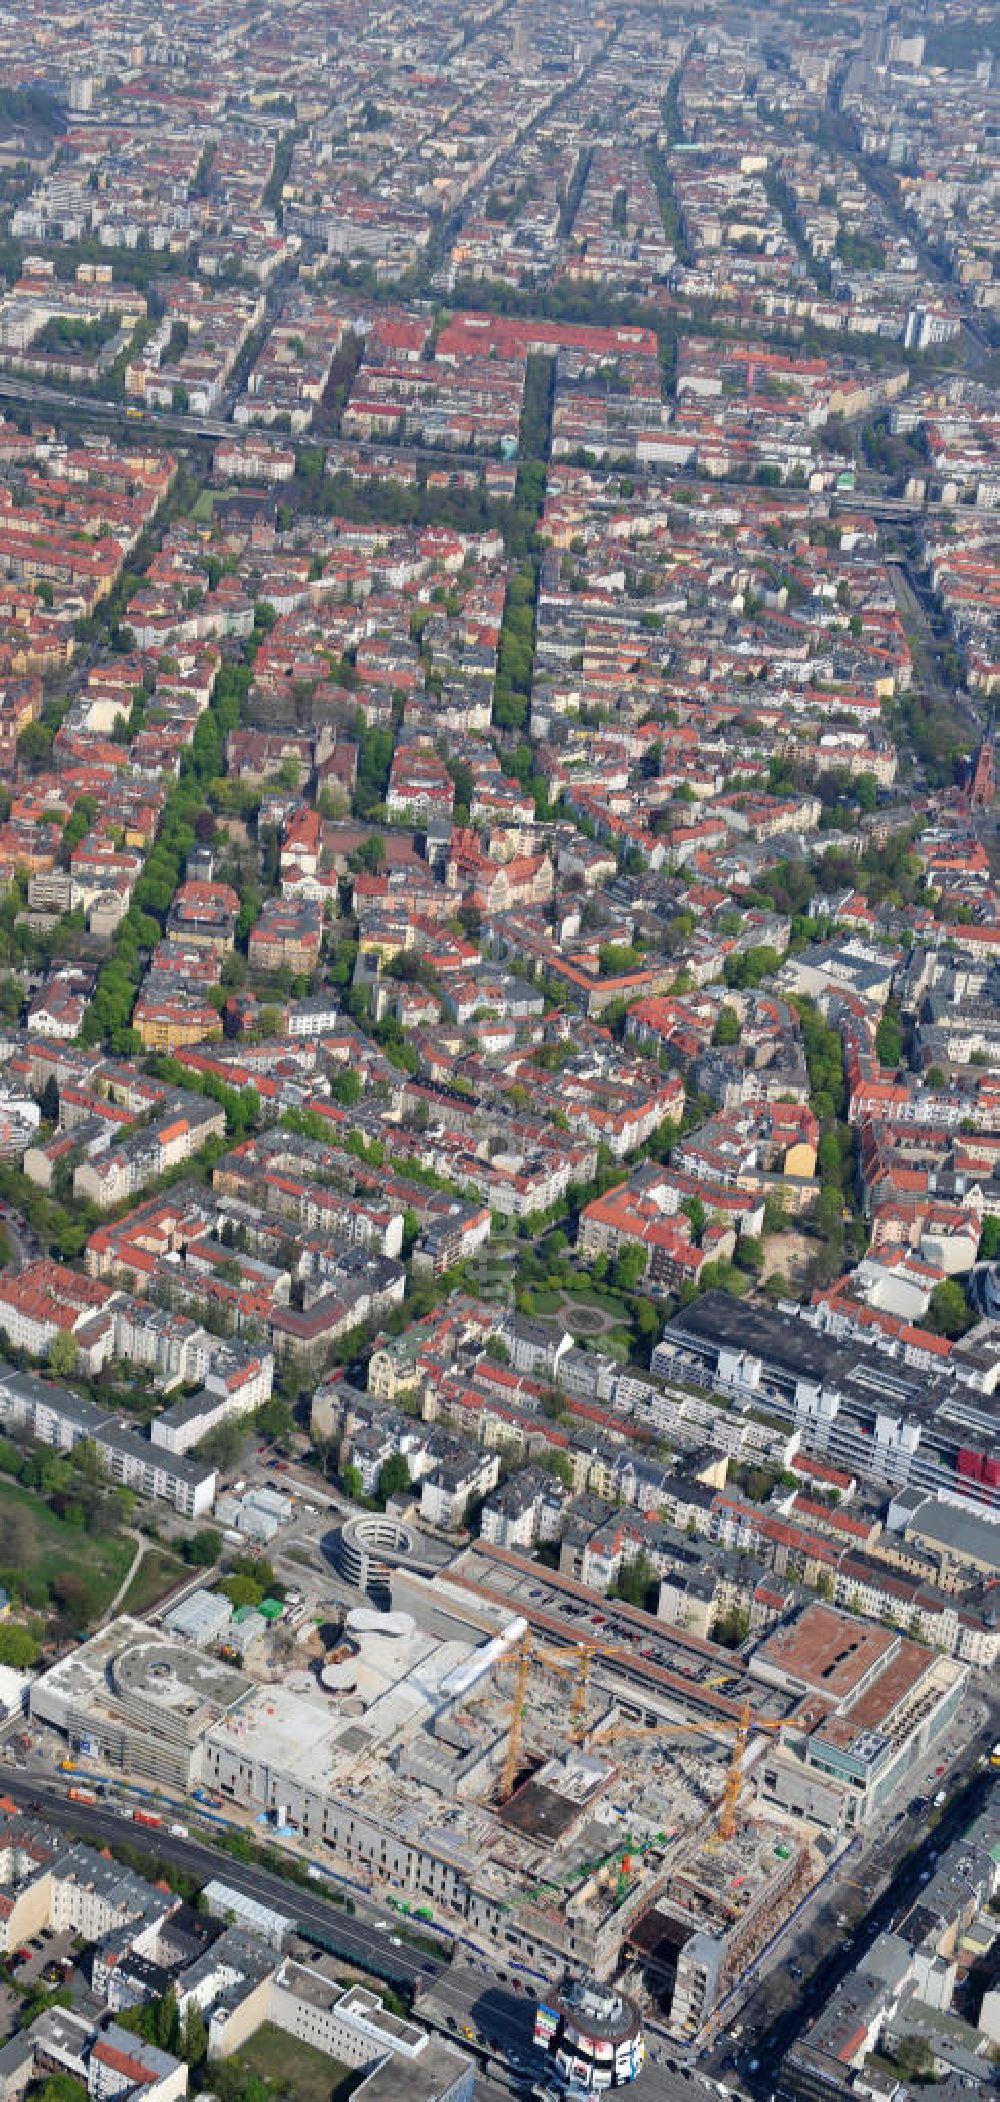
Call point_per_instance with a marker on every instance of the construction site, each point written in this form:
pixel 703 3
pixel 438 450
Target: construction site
pixel 627 1834
pixel 620 1799
pixel 721 1903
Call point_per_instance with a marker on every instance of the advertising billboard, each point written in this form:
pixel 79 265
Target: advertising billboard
pixel 546 2024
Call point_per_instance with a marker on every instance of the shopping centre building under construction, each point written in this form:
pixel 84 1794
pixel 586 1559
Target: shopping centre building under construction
pixel 622 1798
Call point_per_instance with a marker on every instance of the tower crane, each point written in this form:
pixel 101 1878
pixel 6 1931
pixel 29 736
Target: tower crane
pixel 576 1658
pixel 579 1659
pixel 742 1726
pixel 528 1653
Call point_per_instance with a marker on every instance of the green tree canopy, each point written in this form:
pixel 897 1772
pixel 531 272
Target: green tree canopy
pixel 629 1268
pixel 242 1591
pixel 204 1547
pixel 64 1352
pixel 394 1478
pixel 18 1647
pixel 949 1313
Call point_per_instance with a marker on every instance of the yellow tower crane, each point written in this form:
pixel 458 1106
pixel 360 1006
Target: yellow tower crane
pixel 742 1725
pixel 528 1653
pixel 576 1658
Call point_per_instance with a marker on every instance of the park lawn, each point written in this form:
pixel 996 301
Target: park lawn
pixel 157 1573
pixel 295 2069
pixel 204 510
pixel 587 1294
pixel 545 1301
pixel 48 1547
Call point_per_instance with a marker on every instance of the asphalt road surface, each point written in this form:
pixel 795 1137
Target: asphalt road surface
pixel 783 2009
pixel 352 1935
pixel 457 1997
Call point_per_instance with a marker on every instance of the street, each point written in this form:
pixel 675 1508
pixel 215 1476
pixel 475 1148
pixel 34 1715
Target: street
pixel 836 1932
pixel 467 1998
pixel 491 2012
pixel 349 1934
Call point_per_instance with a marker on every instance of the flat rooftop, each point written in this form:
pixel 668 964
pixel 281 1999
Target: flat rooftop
pixel 829 1652
pixel 719 1319
pixel 634 1648
pixel 909 1664
pixel 187 1686
pixel 422 2079
pixel 124 1659
pixel 871 1384
pixel 386 1682
pixel 319 1986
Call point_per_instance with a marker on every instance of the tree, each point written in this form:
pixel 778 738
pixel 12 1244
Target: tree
pixel 750 967
pixel 39 2001
pixel 394 1477
pixel 629 1268
pixel 371 854
pixel 618 958
pixel 77 1594
pixel 49 1100
pixel 156 2021
pixel 222 1447
pixel 204 1548
pixel 949 1313
pixel 750 1254
pixel 777 1218
pixel 889 1039
pixel 638 1582
pixel 989 1240
pixel 34 747
pixel 194 2038
pixel 914 2057
pixel 242 1591
pixel 64 1352
pixel 732 1628
pixel 275 1421
pixel 167 2021
pixel 352 1484
pixel 261 1571
pixel 723 1276
pixel 347 1088
pixel 18 1647
pixel 557 1463
pixel 727 1028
